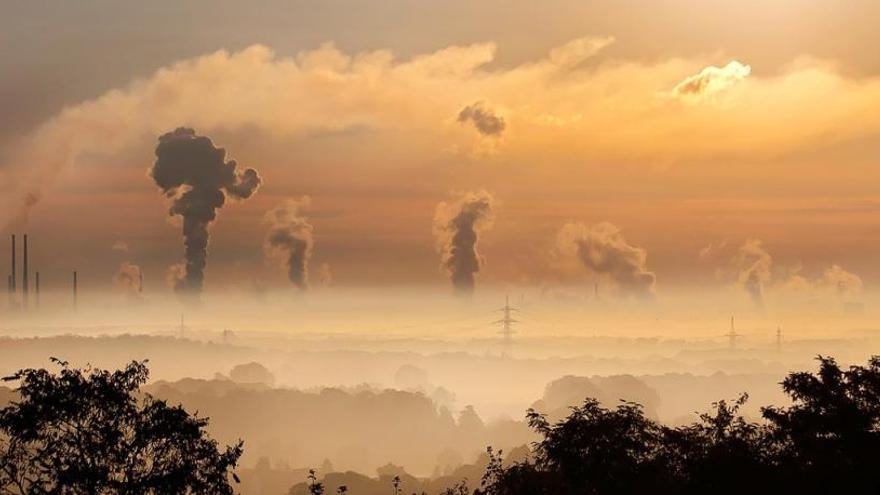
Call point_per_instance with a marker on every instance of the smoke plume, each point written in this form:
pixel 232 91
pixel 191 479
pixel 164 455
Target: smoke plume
pixel 755 265
pixel 290 239
pixel 128 279
pixel 195 173
pixel 487 122
pixel 457 228
pixel 602 249
pixel 325 275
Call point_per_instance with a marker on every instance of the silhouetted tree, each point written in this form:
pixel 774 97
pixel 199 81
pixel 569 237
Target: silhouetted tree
pixel 88 431
pixel 827 441
pixel 315 486
pixel 830 436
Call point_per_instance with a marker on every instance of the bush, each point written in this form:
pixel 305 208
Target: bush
pixel 88 431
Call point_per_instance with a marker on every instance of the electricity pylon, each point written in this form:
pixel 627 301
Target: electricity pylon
pixel 507 321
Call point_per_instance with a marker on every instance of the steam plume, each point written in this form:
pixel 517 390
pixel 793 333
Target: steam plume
pixel 195 173
pixel 755 269
pixel 128 279
pixel 602 249
pixel 290 238
pixel 457 227
pixel 487 122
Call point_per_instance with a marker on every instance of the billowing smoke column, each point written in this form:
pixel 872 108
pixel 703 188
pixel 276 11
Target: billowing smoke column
pixel 457 228
pixel 195 173
pixel 755 269
pixel 602 249
pixel 290 239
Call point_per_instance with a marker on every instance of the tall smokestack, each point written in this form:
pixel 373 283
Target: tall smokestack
pixel 74 290
pixel 37 288
pixel 24 275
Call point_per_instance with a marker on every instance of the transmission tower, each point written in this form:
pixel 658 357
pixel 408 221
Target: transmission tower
pixel 507 321
pixel 732 335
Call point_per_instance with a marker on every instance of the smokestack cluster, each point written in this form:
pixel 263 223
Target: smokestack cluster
pixel 195 174
pixel 12 281
pixel 290 238
pixel 457 227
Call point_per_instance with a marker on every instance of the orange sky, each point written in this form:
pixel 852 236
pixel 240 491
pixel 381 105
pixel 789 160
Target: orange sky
pixel 713 144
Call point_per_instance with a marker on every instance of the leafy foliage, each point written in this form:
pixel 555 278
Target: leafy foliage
pixel 88 431
pixel 827 441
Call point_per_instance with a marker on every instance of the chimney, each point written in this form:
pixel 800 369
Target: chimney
pixel 74 290
pixel 13 263
pixel 24 276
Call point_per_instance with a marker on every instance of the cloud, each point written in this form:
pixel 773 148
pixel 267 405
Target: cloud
pixel 834 280
pixel 712 80
pixel 565 111
pixel 290 239
pixel 120 246
pixel 483 118
pixel 458 225
pixel 603 250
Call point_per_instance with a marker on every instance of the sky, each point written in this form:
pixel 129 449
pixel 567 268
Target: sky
pixel 643 145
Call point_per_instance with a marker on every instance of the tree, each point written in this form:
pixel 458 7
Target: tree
pixel 830 436
pixel 826 441
pixel 90 431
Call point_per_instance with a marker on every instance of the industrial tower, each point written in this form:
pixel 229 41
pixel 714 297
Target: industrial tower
pixel 732 335
pixel 507 321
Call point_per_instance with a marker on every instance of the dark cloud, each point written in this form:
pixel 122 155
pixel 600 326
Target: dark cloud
pixel 602 249
pixel 487 122
pixel 195 173
pixel 290 238
pixel 457 227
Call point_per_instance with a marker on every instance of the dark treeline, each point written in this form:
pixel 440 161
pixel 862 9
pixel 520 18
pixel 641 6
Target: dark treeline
pixel 94 431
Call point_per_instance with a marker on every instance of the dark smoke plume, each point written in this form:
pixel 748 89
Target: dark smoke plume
pixel 603 250
pixel 195 173
pixel 290 238
pixel 487 122
pixel 457 227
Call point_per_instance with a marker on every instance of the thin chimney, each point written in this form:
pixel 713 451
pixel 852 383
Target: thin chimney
pixel 74 290
pixel 13 263
pixel 24 275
